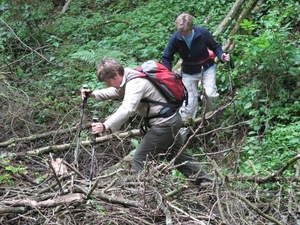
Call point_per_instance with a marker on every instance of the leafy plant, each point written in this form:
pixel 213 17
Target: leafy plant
pixel 270 152
pixel 18 170
pixel 134 142
pixel 39 178
pixel 6 179
pixel 6 157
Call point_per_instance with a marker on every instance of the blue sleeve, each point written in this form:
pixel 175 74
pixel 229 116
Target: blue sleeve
pixel 214 46
pixel 169 52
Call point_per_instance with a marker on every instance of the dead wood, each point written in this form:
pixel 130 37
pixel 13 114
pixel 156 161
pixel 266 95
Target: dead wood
pixel 154 193
pixel 58 166
pixel 229 17
pixel 63 147
pixel 66 6
pixel 41 136
pixel 154 196
pixel 12 210
pixel 245 12
pixel 256 209
pixel 66 199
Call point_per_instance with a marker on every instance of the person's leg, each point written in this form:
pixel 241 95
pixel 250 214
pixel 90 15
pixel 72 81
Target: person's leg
pixel 210 88
pixel 157 141
pixel 191 84
pixel 189 111
pixel 188 165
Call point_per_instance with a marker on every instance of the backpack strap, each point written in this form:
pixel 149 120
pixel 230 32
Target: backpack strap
pixel 168 109
pixel 166 104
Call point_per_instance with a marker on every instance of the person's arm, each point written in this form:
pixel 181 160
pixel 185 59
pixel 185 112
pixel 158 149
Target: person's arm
pixel 169 52
pixel 214 46
pixel 106 93
pixel 134 92
pixel 100 95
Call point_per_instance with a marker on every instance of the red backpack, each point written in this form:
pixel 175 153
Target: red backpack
pixel 169 83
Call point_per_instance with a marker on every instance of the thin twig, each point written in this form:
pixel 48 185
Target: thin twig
pixel 255 208
pixel 25 44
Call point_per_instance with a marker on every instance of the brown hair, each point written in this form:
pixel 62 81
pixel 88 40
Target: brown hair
pixel 184 22
pixel 108 69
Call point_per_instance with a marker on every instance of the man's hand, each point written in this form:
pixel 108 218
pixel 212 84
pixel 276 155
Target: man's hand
pixel 98 128
pixel 85 93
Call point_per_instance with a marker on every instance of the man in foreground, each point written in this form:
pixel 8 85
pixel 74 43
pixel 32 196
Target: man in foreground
pixel 162 137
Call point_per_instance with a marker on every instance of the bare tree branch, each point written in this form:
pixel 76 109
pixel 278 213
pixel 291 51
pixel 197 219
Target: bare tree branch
pixel 24 43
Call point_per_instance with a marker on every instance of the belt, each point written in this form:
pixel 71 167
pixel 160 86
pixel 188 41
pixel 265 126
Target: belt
pixel 208 63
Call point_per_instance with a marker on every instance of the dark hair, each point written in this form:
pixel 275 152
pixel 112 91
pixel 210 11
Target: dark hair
pixel 108 69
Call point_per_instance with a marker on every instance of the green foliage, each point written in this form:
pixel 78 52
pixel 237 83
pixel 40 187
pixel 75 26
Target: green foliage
pixel 266 79
pixel 18 170
pixel 27 21
pixel 39 178
pixel 101 209
pixel 177 173
pixel 178 177
pixel 248 25
pixel 5 175
pixel 6 179
pixel 268 64
pixel 134 142
pixel 6 157
pixel 271 152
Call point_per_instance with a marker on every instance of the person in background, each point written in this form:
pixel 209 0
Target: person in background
pixel 162 137
pixel 197 48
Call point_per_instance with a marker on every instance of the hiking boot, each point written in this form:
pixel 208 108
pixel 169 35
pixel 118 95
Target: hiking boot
pixel 204 181
pixel 203 178
pixel 184 132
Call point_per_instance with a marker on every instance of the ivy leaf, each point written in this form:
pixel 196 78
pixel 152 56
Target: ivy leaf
pixel 248 105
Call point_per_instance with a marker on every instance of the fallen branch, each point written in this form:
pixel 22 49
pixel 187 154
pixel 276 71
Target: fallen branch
pixel 161 205
pixel 185 213
pixel 55 148
pixel 229 17
pixel 66 199
pixel 39 136
pixel 62 147
pixel 14 210
pixel 115 199
pixel 256 209
pixel 273 177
